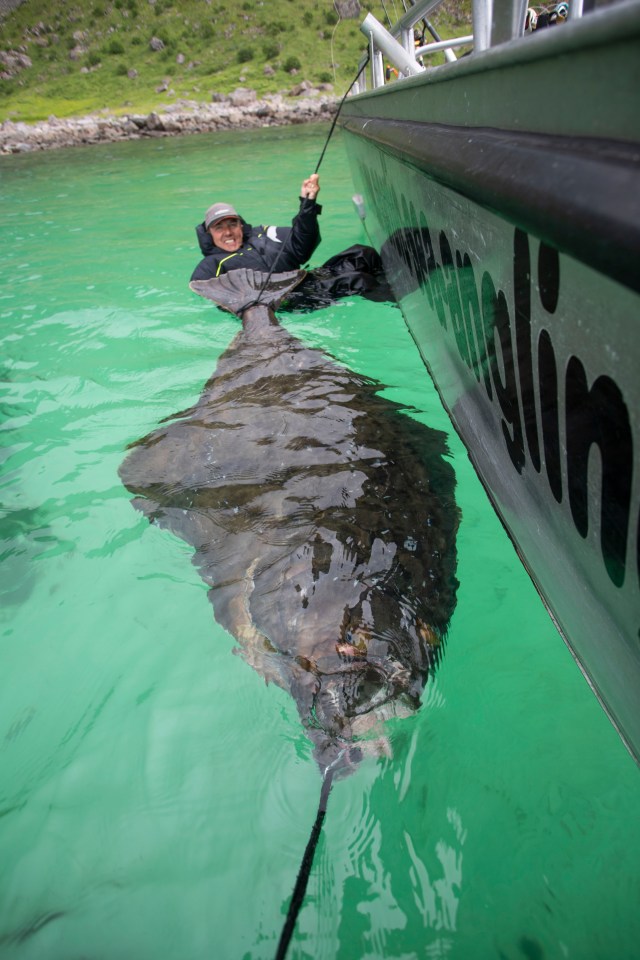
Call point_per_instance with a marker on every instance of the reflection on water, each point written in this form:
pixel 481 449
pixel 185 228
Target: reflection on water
pixel 388 910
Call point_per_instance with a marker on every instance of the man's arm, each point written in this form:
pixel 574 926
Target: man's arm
pixel 305 232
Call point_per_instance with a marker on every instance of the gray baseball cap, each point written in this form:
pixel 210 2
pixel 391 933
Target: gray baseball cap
pixel 219 211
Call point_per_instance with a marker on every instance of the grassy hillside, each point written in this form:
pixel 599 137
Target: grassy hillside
pixel 88 55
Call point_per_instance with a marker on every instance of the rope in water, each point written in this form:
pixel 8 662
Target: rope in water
pixel 321 158
pixel 300 888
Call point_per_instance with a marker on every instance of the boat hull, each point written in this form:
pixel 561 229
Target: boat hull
pixel 513 244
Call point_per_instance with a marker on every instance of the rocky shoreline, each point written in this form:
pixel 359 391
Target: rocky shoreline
pixel 239 110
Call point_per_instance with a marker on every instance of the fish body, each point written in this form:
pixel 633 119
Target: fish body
pixel 321 516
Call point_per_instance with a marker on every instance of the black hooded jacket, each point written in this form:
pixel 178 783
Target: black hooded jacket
pixel 262 246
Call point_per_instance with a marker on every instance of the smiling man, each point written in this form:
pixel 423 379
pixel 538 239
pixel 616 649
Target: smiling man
pixel 228 242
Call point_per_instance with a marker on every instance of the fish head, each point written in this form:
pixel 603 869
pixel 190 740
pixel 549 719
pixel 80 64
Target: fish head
pixel 351 698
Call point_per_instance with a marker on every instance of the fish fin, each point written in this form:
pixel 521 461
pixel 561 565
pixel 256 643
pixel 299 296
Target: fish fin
pixel 238 290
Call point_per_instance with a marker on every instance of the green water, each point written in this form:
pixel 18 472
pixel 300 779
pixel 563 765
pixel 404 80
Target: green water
pixel 155 796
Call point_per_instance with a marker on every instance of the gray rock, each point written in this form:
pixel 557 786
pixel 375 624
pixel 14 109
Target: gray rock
pixel 14 61
pixel 154 122
pixel 300 88
pixel 242 97
pixel 348 9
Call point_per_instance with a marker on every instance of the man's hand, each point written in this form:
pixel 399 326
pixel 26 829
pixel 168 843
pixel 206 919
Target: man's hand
pixel 310 187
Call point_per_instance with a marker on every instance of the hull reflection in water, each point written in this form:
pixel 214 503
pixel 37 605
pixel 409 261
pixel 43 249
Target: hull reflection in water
pixel 322 517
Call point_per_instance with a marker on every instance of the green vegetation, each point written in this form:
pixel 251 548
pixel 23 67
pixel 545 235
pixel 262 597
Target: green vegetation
pixel 87 55
pixel 114 47
pixel 245 54
pixel 290 64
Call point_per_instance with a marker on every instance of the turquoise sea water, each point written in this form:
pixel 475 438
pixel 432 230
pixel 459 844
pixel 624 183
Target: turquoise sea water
pixel 155 796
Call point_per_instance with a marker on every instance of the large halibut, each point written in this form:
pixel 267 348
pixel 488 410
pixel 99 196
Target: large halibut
pixel 321 515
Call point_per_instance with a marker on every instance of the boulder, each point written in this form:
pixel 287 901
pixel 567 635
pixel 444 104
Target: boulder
pixel 154 122
pixel 13 62
pixel 300 88
pixel 242 97
pixel 348 9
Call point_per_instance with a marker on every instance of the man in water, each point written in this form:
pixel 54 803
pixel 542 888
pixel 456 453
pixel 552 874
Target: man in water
pixel 229 243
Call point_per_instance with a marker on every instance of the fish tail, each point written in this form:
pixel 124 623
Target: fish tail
pixel 238 290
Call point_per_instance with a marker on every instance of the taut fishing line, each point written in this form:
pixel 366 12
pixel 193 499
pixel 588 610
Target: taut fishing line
pixel 321 158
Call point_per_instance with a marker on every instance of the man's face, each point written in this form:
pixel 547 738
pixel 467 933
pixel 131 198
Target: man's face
pixel 227 234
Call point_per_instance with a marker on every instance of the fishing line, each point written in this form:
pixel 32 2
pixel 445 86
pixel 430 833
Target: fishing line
pixel 321 158
pixel 300 888
pixel 340 105
pixel 386 14
pixel 333 33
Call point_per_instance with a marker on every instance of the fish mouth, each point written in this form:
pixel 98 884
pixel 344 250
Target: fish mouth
pixel 358 687
pixel 336 754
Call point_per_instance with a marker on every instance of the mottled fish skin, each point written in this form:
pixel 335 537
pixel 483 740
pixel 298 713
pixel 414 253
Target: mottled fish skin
pixel 321 515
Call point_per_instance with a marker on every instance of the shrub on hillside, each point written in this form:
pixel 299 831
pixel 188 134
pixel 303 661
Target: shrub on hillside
pixel 114 47
pixel 270 51
pixel 291 63
pixel 245 54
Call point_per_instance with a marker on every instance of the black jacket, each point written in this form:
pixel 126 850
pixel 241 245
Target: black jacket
pixel 263 246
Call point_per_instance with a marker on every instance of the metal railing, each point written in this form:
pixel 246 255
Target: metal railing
pixel 395 50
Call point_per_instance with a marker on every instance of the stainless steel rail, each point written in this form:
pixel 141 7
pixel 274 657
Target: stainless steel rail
pixel 494 22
